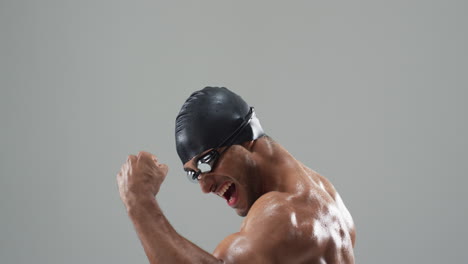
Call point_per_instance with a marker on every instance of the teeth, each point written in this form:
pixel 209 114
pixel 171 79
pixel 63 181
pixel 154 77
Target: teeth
pixel 224 189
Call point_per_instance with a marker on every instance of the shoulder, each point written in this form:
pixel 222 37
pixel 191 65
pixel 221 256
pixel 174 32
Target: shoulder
pixel 273 231
pixel 271 208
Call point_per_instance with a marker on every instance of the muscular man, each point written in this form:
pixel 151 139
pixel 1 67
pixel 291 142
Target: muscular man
pixel 292 214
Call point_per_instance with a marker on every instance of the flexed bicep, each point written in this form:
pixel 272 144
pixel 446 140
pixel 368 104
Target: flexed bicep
pixel 240 248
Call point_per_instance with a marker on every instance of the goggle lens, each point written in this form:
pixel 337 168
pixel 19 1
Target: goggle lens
pixel 204 164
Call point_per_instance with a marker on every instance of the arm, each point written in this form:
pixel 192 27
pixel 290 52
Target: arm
pixel 161 242
pixel 139 181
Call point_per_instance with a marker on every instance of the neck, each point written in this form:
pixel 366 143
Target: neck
pixel 277 169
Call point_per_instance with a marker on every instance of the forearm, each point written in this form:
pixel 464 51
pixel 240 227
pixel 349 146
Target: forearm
pixel 162 244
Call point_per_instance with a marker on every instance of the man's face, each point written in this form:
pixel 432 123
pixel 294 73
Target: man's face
pixel 232 177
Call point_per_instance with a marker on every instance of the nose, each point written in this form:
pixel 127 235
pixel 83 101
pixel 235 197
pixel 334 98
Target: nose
pixel 206 183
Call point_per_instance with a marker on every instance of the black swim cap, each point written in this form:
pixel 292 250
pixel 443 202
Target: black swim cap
pixel 208 117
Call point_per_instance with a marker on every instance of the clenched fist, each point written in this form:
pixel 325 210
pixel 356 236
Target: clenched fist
pixel 140 177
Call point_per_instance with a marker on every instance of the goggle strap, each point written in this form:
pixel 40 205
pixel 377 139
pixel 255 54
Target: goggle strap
pixel 234 135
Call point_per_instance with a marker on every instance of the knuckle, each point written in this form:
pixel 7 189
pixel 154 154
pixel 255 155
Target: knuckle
pixel 131 158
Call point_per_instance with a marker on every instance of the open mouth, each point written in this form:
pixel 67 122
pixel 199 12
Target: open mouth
pixel 228 192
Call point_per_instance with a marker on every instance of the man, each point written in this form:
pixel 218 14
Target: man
pixel 292 214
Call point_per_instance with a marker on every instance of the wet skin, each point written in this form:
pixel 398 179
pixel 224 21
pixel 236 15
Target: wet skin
pixel 292 214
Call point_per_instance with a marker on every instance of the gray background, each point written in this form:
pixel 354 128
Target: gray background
pixel 371 94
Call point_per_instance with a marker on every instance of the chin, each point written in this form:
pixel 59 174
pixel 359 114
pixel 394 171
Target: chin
pixel 242 212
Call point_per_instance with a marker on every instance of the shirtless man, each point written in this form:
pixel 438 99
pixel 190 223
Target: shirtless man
pixel 292 214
